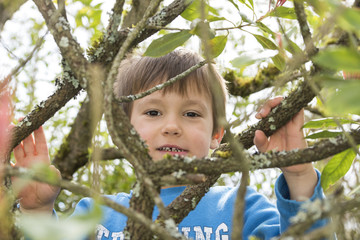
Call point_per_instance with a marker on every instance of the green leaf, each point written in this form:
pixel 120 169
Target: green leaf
pixel 251 3
pixel 265 42
pixel 265 29
pixel 243 61
pixel 212 18
pixel 245 18
pixel 350 19
pixel 327 123
pixel 284 12
pixel 340 58
pixel 345 99
pixel 279 62
pixel 249 6
pixel 321 7
pixel 193 11
pixel 217 45
pixel 235 5
pixel 212 10
pixel 167 43
pixel 292 47
pixel 324 134
pixel 337 167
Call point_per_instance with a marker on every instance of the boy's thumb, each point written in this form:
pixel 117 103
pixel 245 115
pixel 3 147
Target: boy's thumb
pixel 261 141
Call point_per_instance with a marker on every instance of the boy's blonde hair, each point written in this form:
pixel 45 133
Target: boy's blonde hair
pixel 137 74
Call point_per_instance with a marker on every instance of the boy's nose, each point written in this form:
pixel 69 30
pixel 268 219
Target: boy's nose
pixel 172 128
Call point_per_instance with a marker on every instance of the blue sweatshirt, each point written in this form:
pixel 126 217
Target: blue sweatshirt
pixel 212 217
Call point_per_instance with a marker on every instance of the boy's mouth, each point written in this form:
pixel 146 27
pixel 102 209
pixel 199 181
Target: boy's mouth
pixel 171 149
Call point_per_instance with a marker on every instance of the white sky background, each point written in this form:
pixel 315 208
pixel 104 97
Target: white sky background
pixel 46 74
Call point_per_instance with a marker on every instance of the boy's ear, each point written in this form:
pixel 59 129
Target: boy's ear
pixel 216 139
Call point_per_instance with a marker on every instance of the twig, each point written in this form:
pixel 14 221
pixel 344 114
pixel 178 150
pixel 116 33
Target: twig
pixel 321 209
pixel 186 179
pixel 22 63
pixel 70 49
pixel 115 20
pixel 315 111
pixel 179 208
pixel 304 28
pixel 162 85
pixel 278 117
pixel 140 171
pixel 227 163
pixel 238 218
pixel 8 50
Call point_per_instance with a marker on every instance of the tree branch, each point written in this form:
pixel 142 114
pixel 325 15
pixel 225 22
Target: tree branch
pixel 304 28
pixel 319 209
pixel 69 47
pixel 138 157
pixel 244 86
pixel 227 163
pixel 42 113
pixel 278 117
pixel 7 9
pixel 180 207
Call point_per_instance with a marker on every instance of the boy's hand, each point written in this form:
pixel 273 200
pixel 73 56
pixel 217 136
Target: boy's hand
pixel 301 178
pixel 35 196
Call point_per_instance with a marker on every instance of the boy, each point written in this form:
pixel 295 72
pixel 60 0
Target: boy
pixel 182 119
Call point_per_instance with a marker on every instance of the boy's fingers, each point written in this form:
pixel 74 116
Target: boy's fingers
pixel 298 118
pixel 29 146
pixel 19 153
pixel 40 141
pixel 261 141
pixel 274 102
pixel 260 114
pixel 265 110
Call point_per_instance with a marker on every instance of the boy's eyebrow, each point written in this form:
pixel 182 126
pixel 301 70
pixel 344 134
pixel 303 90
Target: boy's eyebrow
pixel 198 103
pixel 152 101
pixel 187 102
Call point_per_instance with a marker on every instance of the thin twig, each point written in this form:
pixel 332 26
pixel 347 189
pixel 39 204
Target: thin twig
pixel 304 28
pixel 115 19
pixel 70 49
pixel 108 109
pixel 162 85
pixel 8 49
pixel 22 63
pixel 238 218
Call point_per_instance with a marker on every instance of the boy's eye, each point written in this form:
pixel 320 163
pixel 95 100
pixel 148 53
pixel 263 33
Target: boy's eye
pixel 153 113
pixel 192 114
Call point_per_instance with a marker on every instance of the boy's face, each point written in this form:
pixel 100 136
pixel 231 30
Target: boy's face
pixel 175 124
